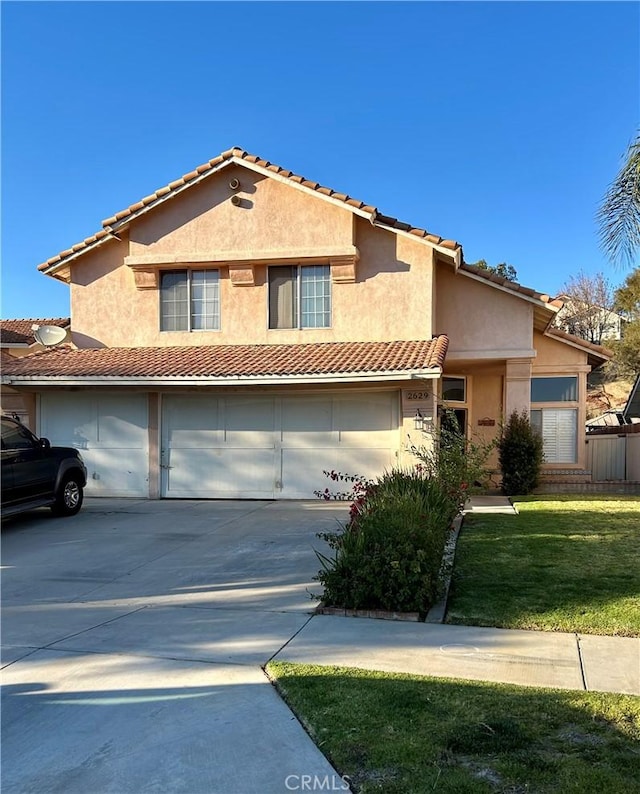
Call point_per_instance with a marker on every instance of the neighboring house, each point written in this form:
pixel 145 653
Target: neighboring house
pixel 593 323
pixel 244 328
pixel 16 340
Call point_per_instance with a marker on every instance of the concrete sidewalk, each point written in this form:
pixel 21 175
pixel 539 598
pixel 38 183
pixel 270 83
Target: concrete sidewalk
pixel 489 504
pixel 529 658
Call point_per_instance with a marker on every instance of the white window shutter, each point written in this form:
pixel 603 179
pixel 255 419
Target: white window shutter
pixel 559 434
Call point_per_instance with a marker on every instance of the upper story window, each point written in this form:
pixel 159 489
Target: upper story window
pixel 554 390
pixel 190 300
pixel 300 296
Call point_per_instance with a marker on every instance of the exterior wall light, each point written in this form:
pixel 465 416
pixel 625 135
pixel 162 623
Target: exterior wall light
pixel 422 423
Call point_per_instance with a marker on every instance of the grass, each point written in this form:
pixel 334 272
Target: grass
pixel 406 734
pixel 565 563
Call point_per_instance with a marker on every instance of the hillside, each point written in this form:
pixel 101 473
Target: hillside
pixel 607 396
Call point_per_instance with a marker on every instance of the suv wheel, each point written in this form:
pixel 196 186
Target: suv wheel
pixel 69 496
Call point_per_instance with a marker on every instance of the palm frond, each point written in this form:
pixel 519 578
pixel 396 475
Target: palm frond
pixel 619 214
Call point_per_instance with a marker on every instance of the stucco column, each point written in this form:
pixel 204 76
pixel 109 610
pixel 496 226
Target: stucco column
pixel 517 386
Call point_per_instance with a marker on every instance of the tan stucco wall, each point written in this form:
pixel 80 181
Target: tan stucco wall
pixel 553 352
pixel 390 299
pixel 477 316
pixel 104 302
pixel 272 216
pixel 487 403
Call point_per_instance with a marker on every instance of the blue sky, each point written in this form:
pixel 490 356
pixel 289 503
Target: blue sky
pixel 497 124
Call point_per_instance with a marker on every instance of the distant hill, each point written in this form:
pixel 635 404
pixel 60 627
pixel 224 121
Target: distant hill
pixel 607 397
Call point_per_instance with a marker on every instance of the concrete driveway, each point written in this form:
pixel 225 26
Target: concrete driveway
pixel 133 637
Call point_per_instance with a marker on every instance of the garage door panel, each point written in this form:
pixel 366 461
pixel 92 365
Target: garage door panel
pixel 276 447
pixel 302 474
pixel 111 433
pixel 220 472
pixel 68 420
pixel 193 470
pixel 193 422
pixel 121 422
pixel 368 463
pixel 247 470
pixel 362 440
pixel 116 472
pixel 307 423
pixel 249 422
pixel 370 414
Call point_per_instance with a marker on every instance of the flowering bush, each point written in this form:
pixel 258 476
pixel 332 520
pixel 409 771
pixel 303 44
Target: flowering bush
pixel 388 554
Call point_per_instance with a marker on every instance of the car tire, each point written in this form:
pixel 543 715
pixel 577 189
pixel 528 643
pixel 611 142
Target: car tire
pixel 68 497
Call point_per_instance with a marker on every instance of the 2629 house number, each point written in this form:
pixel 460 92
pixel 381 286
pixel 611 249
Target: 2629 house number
pixel 417 395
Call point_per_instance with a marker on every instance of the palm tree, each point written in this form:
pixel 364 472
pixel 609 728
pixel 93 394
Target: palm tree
pixel 619 215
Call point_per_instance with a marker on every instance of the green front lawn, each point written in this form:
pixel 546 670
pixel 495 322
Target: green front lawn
pixel 565 563
pixel 407 734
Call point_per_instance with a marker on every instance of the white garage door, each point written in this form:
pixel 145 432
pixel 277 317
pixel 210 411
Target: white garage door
pixel 273 447
pixel 110 430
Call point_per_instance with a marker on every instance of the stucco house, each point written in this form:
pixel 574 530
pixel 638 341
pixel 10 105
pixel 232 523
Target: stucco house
pixel 594 323
pixel 243 328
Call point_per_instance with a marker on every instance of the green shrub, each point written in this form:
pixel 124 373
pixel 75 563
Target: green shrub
pixel 458 463
pixel 389 554
pixel 520 455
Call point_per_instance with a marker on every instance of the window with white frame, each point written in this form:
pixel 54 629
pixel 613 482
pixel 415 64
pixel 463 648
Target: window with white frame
pixel 557 423
pixel 190 300
pixel 300 296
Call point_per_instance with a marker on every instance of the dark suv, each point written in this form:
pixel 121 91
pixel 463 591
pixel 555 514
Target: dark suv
pixel 35 474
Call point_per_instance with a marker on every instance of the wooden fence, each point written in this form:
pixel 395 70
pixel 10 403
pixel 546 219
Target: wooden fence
pixel 613 454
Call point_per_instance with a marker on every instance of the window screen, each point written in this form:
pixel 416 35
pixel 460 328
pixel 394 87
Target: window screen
pixel 190 300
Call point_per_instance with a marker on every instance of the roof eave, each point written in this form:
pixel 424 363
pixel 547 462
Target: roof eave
pixel 247 380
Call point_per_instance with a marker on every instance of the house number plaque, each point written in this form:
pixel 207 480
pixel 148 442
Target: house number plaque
pixel 417 395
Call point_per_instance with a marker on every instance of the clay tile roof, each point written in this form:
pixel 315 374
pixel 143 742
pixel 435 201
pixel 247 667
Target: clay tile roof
pixel 487 275
pixel 233 361
pixel 19 332
pixel 241 154
pixel 599 350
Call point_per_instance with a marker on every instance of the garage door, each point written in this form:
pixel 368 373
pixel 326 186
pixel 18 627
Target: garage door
pixel 110 430
pixel 273 447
